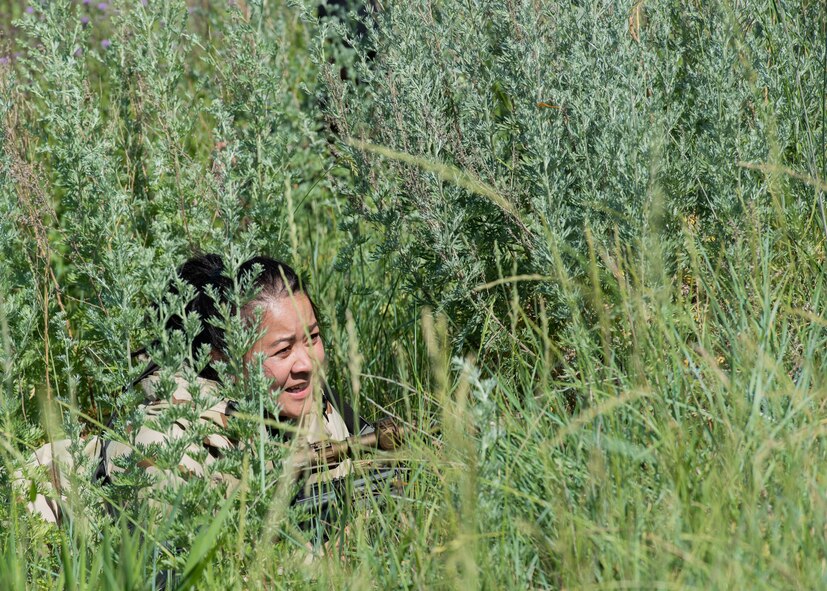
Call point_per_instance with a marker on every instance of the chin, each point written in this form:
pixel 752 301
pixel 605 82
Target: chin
pixel 295 409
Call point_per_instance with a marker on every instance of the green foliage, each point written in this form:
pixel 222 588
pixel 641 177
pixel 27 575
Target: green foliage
pixel 581 117
pixel 626 353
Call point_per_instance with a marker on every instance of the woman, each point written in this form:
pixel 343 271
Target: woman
pixel 292 358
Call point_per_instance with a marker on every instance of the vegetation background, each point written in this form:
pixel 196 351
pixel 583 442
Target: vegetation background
pixel 587 238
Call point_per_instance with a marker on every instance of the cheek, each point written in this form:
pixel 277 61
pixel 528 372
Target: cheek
pixel 276 370
pixel 318 349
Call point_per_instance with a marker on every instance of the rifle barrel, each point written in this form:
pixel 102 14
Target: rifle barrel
pixel 386 436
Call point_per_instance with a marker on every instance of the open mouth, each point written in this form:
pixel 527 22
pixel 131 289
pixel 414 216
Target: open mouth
pixel 298 389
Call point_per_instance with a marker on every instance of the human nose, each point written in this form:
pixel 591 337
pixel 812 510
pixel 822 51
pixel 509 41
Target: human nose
pixel 303 362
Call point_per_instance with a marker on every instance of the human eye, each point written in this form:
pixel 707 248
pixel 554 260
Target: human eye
pixel 315 336
pixel 282 351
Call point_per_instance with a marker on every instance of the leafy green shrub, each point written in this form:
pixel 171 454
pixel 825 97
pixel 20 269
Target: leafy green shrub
pixel 127 145
pixel 122 160
pixel 510 130
pixel 652 415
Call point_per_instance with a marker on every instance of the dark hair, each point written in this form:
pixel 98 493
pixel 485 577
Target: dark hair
pixel 207 273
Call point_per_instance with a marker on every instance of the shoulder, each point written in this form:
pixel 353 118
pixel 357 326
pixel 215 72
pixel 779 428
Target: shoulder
pixel 216 409
pixel 161 422
pixel 334 423
pixel 182 389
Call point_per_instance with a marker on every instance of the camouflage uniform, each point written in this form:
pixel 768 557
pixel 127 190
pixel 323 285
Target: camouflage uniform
pixel 58 461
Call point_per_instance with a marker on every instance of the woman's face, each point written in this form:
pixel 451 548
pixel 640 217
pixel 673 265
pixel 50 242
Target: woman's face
pixel 293 352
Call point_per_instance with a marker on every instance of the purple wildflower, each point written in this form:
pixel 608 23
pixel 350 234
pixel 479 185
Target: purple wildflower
pixel 30 10
pixel 84 20
pixel 87 2
pixel 4 59
pixel 102 6
pixel 144 2
pixel 78 52
pixel 106 43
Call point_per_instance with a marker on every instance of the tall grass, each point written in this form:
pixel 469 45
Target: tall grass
pixel 643 410
pixel 675 443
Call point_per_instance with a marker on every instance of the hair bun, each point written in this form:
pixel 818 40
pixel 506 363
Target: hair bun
pixel 207 272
